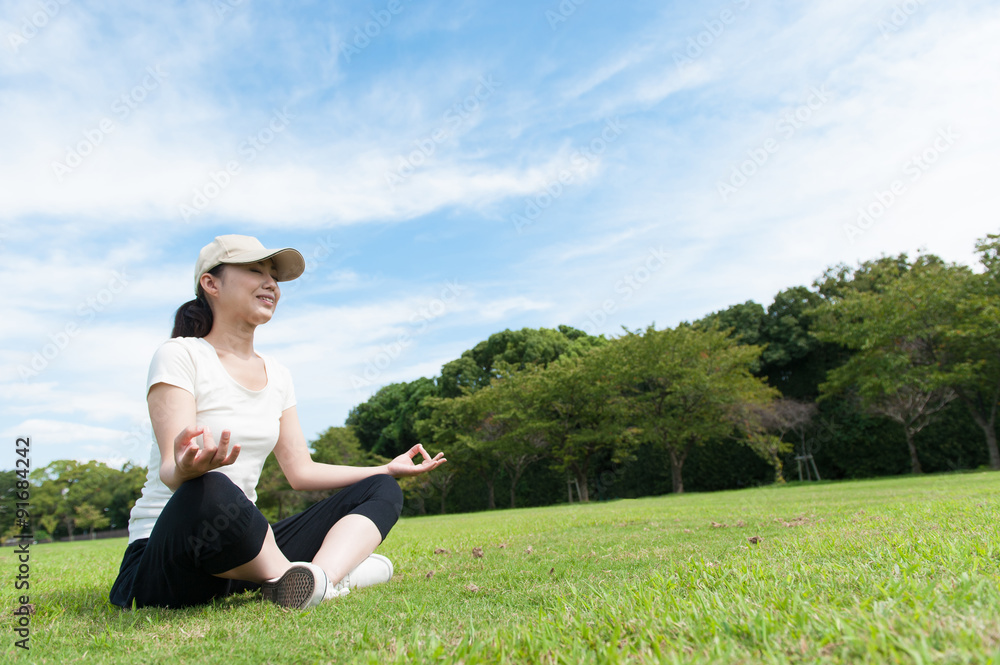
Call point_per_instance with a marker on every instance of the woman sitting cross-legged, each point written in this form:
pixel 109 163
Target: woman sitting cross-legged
pixel 218 409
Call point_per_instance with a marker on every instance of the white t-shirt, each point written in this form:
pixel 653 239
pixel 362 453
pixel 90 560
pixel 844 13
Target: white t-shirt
pixel 252 416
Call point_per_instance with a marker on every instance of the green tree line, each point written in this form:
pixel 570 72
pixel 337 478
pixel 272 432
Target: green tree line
pixel 891 366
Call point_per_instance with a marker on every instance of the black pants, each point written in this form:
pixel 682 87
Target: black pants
pixel 209 526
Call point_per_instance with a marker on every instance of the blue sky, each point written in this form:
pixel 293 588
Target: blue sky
pixel 452 169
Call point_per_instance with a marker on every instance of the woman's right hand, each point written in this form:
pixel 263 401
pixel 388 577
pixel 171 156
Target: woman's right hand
pixel 192 460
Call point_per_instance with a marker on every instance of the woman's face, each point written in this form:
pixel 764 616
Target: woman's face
pixel 248 291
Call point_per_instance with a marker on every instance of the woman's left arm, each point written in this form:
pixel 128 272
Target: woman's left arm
pixel 303 473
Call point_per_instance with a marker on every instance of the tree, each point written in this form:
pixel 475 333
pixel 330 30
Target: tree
pixel 90 517
pixel 516 349
pixel 386 423
pixel 871 276
pixel 785 328
pixel 275 497
pixel 969 353
pixel 8 502
pixel 125 490
pixel 792 360
pixel 766 425
pixel 520 444
pixel 895 333
pixel 49 524
pixel 578 411
pixel 684 386
pixel 65 484
pixel 460 426
pixel 744 321
pixel 340 445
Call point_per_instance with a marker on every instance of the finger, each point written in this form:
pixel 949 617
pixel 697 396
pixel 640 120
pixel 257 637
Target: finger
pixel 208 443
pixel 234 452
pixel 423 451
pixel 223 450
pixel 186 435
pixel 187 455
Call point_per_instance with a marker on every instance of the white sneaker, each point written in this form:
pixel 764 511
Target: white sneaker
pixel 376 569
pixel 303 585
pixel 306 585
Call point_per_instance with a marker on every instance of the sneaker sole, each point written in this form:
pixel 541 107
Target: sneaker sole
pixel 302 586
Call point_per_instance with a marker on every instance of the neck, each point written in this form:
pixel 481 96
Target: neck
pixel 232 337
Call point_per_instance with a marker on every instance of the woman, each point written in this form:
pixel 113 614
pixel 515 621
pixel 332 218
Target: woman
pixel 218 409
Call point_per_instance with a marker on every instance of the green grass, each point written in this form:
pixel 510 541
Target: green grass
pixel 901 570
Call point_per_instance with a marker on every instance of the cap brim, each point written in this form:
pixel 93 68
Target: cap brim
pixel 287 261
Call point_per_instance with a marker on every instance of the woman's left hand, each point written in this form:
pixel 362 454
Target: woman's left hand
pixel 404 466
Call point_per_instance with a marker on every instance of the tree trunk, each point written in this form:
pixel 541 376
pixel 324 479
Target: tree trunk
pixel 491 501
pixel 676 465
pixel 581 485
pixel 779 475
pixel 988 427
pixel 991 445
pixel 914 460
pixel 516 471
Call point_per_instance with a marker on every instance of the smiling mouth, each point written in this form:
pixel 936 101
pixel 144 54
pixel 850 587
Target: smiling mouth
pixel 269 301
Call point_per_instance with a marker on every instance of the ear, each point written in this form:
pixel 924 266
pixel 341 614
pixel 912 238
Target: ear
pixel 210 284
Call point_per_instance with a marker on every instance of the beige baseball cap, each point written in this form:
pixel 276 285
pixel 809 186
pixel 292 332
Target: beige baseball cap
pixel 247 249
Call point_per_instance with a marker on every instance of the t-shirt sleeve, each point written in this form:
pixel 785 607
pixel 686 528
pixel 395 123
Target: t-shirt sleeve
pixel 288 396
pixel 172 364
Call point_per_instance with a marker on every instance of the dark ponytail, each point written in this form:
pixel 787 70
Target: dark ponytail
pixel 194 318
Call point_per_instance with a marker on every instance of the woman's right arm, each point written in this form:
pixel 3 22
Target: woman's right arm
pixel 173 415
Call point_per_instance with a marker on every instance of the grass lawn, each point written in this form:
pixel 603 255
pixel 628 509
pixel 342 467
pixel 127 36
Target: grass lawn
pixel 900 570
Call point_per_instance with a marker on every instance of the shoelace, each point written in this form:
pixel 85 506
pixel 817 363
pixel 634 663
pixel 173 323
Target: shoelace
pixel 341 588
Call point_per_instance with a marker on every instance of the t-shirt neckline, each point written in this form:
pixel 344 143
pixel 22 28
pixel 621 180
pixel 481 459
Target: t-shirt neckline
pixel 215 354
